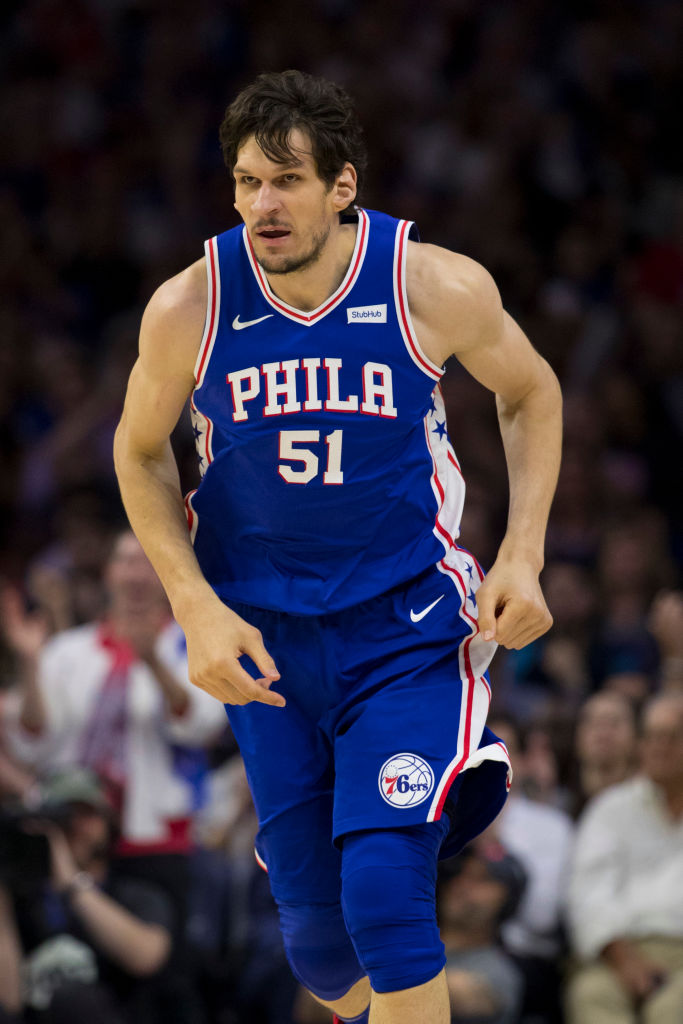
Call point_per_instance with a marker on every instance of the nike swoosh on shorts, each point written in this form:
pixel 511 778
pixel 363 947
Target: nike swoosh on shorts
pixel 239 325
pixel 425 611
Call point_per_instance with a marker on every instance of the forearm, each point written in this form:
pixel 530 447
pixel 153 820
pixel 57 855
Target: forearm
pixel 15 780
pixel 532 438
pixel 33 713
pixel 174 693
pixel 150 489
pixel 139 948
pixel 10 956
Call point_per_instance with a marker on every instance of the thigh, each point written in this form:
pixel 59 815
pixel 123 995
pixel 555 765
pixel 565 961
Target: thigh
pixel 666 1005
pixel 287 759
pixel 412 731
pixel 296 849
pixel 593 995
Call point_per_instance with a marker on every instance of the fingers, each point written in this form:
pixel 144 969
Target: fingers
pixel 250 689
pixel 256 650
pixel 487 599
pixel 216 642
pixel 228 681
pixel 517 622
pixel 232 684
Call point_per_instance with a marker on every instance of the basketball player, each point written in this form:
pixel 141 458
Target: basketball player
pixel 320 585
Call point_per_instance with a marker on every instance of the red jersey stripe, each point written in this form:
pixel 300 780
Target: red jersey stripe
pixel 402 299
pixel 212 306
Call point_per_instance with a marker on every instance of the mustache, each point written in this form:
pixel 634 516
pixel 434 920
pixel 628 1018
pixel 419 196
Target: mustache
pixel 272 225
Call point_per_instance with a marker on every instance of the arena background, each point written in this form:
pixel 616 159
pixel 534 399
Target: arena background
pixel 541 139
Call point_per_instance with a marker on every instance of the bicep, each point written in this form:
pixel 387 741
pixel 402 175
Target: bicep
pixel 504 360
pixel 458 311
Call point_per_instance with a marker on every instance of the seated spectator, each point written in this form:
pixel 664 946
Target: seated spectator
pixel 540 836
pixel 544 766
pixel 477 891
pixel 625 905
pixel 604 746
pixel 88 942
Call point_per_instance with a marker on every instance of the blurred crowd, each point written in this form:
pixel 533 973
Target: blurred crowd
pixel 539 138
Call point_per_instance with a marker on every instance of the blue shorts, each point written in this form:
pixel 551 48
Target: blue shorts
pixel 384 724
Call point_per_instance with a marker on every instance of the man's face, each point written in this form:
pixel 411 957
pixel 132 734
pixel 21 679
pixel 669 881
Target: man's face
pixel 662 743
pixel 287 209
pixel 606 731
pixel 473 897
pixel 131 581
pixel 88 833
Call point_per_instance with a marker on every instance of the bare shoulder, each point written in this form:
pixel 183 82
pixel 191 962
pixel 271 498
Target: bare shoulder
pixel 454 301
pixel 173 321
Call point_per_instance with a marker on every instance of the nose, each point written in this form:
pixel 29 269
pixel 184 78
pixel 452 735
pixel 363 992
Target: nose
pixel 266 200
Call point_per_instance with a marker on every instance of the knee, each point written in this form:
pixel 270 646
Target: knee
pixel 388 883
pixel 319 950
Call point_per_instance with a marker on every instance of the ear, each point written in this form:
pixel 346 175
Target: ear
pixel 345 187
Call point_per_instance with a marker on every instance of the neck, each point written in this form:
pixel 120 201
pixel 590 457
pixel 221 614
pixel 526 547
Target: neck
pixel 673 797
pixel 306 289
pixel 595 778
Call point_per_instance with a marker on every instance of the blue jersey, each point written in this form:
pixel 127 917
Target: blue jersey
pixel 327 473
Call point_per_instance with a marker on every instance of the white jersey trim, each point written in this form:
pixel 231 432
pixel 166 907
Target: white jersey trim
pixel 474 657
pixel 192 518
pixel 213 305
pixel 350 278
pixel 447 482
pixel 403 310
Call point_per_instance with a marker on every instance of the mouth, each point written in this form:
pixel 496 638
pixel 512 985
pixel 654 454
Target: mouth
pixel 273 235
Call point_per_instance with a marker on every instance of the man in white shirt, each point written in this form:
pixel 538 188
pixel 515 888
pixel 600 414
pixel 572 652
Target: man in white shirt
pixel 625 904
pixel 114 696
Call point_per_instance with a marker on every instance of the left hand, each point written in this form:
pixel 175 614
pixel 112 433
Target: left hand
pixel 512 609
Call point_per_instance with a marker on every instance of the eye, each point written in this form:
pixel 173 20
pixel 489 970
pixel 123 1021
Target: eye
pixel 289 178
pixel 247 179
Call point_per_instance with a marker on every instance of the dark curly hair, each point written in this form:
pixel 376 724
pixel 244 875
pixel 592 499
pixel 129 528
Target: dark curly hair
pixel 276 103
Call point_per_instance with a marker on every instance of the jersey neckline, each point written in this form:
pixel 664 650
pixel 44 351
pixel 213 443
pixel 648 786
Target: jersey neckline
pixel 350 278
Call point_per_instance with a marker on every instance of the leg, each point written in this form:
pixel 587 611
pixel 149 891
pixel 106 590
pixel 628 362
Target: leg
pixel 322 958
pixel 666 1005
pixel 388 898
pixel 304 873
pixel 595 995
pixel 424 1004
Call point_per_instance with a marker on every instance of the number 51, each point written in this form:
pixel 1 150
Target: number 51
pixel 289 438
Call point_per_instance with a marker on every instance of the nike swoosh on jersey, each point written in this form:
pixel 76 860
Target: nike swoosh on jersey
pixel 239 325
pixel 425 611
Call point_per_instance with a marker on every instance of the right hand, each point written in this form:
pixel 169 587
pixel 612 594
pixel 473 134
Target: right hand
pixel 216 638
pixel 639 975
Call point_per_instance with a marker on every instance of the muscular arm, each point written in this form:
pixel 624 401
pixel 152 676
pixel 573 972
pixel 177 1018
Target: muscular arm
pixel 159 385
pixel 444 290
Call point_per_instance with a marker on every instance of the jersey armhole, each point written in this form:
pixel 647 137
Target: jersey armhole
pixel 403 233
pixel 213 301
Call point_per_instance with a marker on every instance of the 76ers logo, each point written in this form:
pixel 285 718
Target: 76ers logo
pixel 405 780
